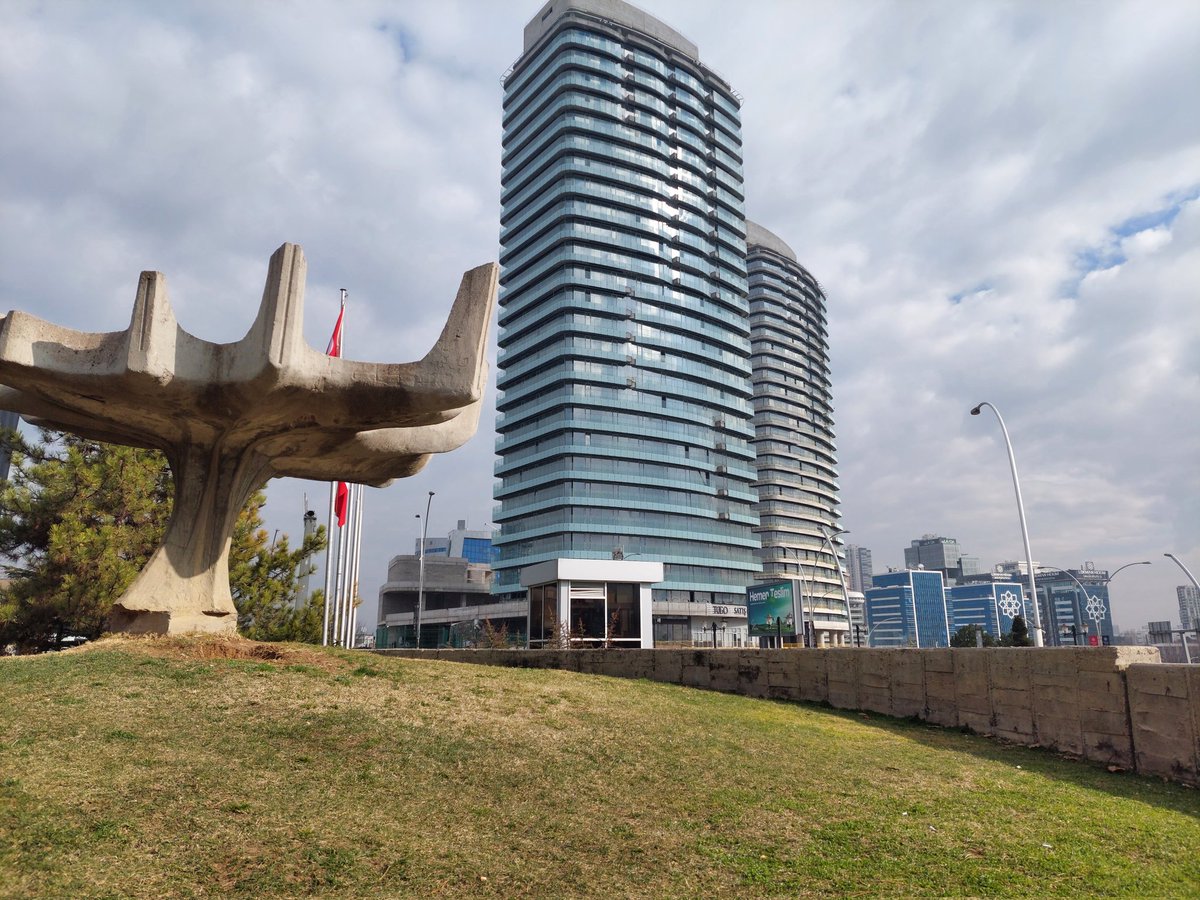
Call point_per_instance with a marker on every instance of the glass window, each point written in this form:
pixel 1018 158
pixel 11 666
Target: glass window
pixel 587 618
pixel 623 619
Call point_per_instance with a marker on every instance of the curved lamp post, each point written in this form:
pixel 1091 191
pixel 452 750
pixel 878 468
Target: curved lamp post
pixel 841 578
pixel 871 630
pixel 1192 578
pixel 1012 461
pixel 421 570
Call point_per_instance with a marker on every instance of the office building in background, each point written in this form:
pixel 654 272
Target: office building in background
pixel 859 568
pixel 932 551
pixel 908 609
pixel 474 546
pixel 1189 607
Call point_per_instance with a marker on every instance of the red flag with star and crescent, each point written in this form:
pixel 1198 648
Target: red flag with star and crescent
pixel 342 502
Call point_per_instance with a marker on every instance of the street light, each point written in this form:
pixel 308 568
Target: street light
pixel 841 577
pixel 871 630
pixel 1012 461
pixel 421 569
pixel 1187 654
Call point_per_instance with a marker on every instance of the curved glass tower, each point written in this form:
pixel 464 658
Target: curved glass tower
pixel 624 408
pixel 793 430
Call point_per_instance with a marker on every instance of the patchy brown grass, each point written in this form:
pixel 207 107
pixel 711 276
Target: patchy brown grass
pixel 213 646
pixel 191 767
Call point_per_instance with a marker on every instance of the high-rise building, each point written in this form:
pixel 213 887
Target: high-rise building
pixel 1189 606
pixel 932 551
pixel 859 567
pixel 908 609
pixel 793 430
pixel 624 415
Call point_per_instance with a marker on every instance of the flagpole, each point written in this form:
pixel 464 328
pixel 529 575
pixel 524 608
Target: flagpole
pixel 333 565
pixel 362 493
pixel 328 569
pixel 347 543
pixel 339 586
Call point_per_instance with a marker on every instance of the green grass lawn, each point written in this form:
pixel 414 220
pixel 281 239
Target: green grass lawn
pixel 144 769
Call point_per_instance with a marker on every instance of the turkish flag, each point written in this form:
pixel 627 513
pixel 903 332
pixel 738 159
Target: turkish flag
pixel 342 502
pixel 335 340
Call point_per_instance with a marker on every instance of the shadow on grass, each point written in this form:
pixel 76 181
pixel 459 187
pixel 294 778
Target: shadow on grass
pixel 1043 761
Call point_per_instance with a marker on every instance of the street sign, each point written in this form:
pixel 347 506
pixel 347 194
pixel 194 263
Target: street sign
pixel 1093 640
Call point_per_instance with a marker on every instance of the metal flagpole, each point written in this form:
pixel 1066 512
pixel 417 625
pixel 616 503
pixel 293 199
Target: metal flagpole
pixel 362 493
pixel 329 614
pixel 347 574
pixel 348 600
pixel 340 582
pixel 328 567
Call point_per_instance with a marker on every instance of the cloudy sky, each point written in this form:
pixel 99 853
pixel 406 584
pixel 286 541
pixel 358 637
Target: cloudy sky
pixel 1002 202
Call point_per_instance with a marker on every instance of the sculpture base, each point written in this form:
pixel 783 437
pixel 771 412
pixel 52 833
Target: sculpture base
pixel 163 622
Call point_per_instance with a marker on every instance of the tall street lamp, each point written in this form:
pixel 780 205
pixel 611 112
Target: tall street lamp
pixel 841 577
pixel 1012 461
pixel 1192 578
pixel 421 569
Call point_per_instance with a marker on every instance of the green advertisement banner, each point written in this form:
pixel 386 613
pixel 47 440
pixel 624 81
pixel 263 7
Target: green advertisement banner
pixel 771 609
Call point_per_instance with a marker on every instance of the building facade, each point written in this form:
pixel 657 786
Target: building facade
pixel 992 605
pixel 457 602
pixel 472 545
pixel 1074 605
pixel 859 568
pixel 908 609
pixel 933 551
pixel 624 415
pixel 793 432
pixel 1189 607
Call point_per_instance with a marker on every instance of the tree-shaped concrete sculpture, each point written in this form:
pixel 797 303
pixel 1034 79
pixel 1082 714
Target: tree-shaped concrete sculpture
pixel 229 417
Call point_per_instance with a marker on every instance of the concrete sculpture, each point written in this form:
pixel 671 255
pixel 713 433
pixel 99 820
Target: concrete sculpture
pixel 229 417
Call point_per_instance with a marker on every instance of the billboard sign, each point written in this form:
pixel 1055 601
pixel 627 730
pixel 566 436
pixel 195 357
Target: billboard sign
pixel 771 609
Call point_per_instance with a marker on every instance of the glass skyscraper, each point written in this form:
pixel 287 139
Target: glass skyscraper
pixel 624 412
pixel 793 424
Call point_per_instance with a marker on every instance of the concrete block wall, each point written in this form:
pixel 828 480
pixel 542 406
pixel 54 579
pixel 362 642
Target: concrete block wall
pixel 1112 705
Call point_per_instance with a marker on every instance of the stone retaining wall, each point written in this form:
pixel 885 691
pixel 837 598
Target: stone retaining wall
pixel 1112 705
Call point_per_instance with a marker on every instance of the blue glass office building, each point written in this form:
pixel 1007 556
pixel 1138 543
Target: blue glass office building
pixel 624 413
pixel 793 426
pixel 1075 609
pixel 908 609
pixel 990 605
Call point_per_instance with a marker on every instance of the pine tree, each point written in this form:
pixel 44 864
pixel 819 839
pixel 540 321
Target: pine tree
pixel 1019 636
pixel 78 521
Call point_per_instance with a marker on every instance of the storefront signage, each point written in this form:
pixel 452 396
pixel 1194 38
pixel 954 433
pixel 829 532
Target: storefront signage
pixel 771 609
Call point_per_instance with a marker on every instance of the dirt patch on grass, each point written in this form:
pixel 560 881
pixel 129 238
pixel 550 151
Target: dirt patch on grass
pixel 214 646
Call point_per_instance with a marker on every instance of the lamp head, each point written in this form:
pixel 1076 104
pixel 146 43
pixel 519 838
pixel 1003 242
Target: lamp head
pixel 976 410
